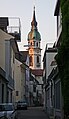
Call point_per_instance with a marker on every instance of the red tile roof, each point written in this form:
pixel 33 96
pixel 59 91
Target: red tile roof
pixel 37 72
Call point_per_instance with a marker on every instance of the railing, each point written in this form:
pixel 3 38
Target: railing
pixel 14 27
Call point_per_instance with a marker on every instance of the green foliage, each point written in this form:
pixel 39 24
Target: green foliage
pixel 62 57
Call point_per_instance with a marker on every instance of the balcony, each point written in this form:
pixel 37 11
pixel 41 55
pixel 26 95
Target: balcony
pixel 14 28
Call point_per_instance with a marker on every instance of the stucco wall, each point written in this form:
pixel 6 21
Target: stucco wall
pixel 2 54
pixel 17 77
pixel 3 36
pixel 49 59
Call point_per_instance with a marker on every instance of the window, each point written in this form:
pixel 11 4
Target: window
pixel 37 59
pixel 37 44
pixel 13 58
pixel 57 95
pixel 34 43
pixel 48 94
pixel 2 93
pixel 34 37
pixel 38 63
pixel 31 43
pixel 34 88
pixel 16 93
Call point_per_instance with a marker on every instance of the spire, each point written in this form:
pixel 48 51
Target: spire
pixel 34 34
pixel 34 23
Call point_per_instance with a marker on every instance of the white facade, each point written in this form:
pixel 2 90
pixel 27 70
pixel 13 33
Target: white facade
pixel 58 108
pixel 48 67
pixel 3 37
pixel 17 77
pixel 5 63
pixel 49 58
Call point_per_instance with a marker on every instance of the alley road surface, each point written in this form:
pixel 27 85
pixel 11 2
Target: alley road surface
pixel 32 113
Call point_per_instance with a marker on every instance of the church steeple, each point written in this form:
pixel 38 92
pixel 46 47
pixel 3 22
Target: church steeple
pixel 34 49
pixel 34 23
pixel 34 34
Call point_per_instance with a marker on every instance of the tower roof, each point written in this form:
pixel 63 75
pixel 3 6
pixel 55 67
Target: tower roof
pixel 34 23
pixel 34 34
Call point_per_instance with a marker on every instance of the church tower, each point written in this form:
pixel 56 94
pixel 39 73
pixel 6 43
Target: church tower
pixel 34 40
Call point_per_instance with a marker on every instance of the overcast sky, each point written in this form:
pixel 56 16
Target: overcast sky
pixel 44 10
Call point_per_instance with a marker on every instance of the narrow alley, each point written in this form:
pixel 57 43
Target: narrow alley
pixel 32 113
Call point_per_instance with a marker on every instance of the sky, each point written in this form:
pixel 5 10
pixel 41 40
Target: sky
pixel 44 10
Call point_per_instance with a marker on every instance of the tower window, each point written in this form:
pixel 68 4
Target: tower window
pixel 34 37
pixel 37 59
pixel 31 43
pixel 34 43
pixel 37 44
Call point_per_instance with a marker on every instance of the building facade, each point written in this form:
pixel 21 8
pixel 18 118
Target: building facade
pixel 48 88
pixel 8 46
pixel 52 83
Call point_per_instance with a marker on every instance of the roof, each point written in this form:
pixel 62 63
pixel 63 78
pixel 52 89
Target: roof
pixel 37 72
pixel 57 8
pixel 19 57
pixel 5 36
pixel 34 34
pixel 14 45
pixel 24 54
pixel 34 23
pixel 49 50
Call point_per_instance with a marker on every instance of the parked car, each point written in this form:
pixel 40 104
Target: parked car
pixel 7 111
pixel 22 105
